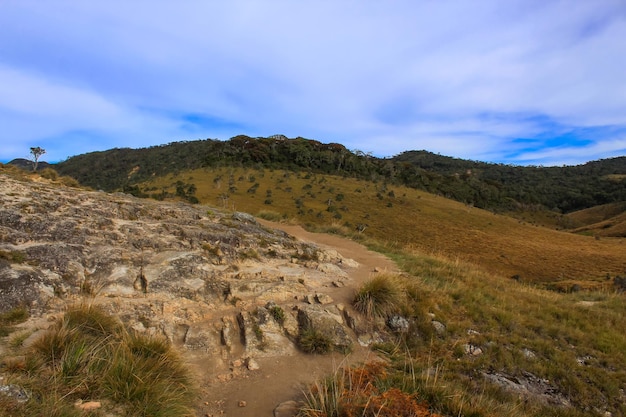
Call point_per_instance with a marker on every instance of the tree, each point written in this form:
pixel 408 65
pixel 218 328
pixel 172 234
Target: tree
pixel 36 152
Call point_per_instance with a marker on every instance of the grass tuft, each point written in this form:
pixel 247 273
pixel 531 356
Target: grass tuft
pixel 314 341
pixel 381 296
pixel 90 355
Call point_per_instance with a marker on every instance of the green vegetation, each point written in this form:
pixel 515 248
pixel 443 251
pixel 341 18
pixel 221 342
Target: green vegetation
pixel 568 348
pixel 315 341
pixel 278 314
pixel 495 187
pixel 89 355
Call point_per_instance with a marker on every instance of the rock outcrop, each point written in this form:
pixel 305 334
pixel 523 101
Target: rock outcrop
pixel 212 282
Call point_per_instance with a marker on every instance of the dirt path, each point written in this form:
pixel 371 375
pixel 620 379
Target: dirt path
pixel 281 379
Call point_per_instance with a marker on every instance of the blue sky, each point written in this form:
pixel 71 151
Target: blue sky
pixel 522 82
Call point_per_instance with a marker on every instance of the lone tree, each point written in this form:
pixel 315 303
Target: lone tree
pixel 36 153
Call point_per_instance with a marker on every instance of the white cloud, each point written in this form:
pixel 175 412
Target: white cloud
pixel 464 78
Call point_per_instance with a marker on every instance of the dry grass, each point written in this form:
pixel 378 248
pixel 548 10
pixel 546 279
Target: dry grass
pixel 461 260
pixel 381 296
pixel 88 355
pixel 361 391
pixel 412 219
pixel 575 341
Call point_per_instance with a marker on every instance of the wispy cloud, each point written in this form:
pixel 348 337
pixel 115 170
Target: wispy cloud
pixel 516 82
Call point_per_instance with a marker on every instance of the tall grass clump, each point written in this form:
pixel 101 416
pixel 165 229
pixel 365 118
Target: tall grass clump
pixel 381 296
pixel 315 341
pixel 89 355
pixel 360 391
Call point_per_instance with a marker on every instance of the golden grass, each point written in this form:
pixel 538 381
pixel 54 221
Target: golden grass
pixel 410 218
pixel 508 319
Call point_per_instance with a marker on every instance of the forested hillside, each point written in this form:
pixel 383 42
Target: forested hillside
pixel 495 187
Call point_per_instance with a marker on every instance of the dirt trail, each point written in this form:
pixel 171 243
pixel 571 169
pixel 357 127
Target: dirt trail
pixel 281 379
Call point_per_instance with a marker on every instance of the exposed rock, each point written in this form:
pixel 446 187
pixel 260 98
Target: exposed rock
pixel 368 339
pixel 286 409
pixel 252 364
pixel 529 354
pixel 328 321
pixel 530 387
pixel 16 392
pixel 88 405
pixel 227 332
pixel 169 269
pixel 471 349
pixel 244 217
pixel 398 324
pixel 323 298
pixel 439 327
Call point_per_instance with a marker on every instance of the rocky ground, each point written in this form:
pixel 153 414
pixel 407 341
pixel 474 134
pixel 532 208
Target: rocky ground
pixel 231 292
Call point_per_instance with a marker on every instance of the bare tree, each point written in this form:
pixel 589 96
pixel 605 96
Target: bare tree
pixel 36 152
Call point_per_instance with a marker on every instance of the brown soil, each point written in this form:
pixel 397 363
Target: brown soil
pixel 279 379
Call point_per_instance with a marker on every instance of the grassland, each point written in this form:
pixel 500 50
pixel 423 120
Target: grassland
pixel 460 260
pixel 568 349
pixel 412 220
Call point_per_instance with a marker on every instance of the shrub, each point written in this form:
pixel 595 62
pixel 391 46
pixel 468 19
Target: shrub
pixel 278 314
pixel 315 341
pixel 381 296
pixel 49 174
pixel 269 215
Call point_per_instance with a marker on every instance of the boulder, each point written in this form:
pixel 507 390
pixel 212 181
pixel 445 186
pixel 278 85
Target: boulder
pixel 328 321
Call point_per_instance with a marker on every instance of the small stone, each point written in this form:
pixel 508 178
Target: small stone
pixel 439 327
pixel 472 350
pixel 286 409
pixel 252 365
pixel 88 405
pixel 398 324
pixel 323 298
pixel 242 403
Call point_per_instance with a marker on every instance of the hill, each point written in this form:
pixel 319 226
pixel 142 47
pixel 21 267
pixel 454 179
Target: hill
pixel 242 300
pixel 607 220
pixel 496 187
pixel 405 217
pixel 28 164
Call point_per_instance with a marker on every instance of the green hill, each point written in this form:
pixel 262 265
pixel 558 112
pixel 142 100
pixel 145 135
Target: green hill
pixel 495 187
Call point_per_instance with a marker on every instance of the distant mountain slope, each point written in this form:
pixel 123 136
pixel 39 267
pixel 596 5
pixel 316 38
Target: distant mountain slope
pixel 562 189
pixel 494 187
pixel 608 220
pixel 28 164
